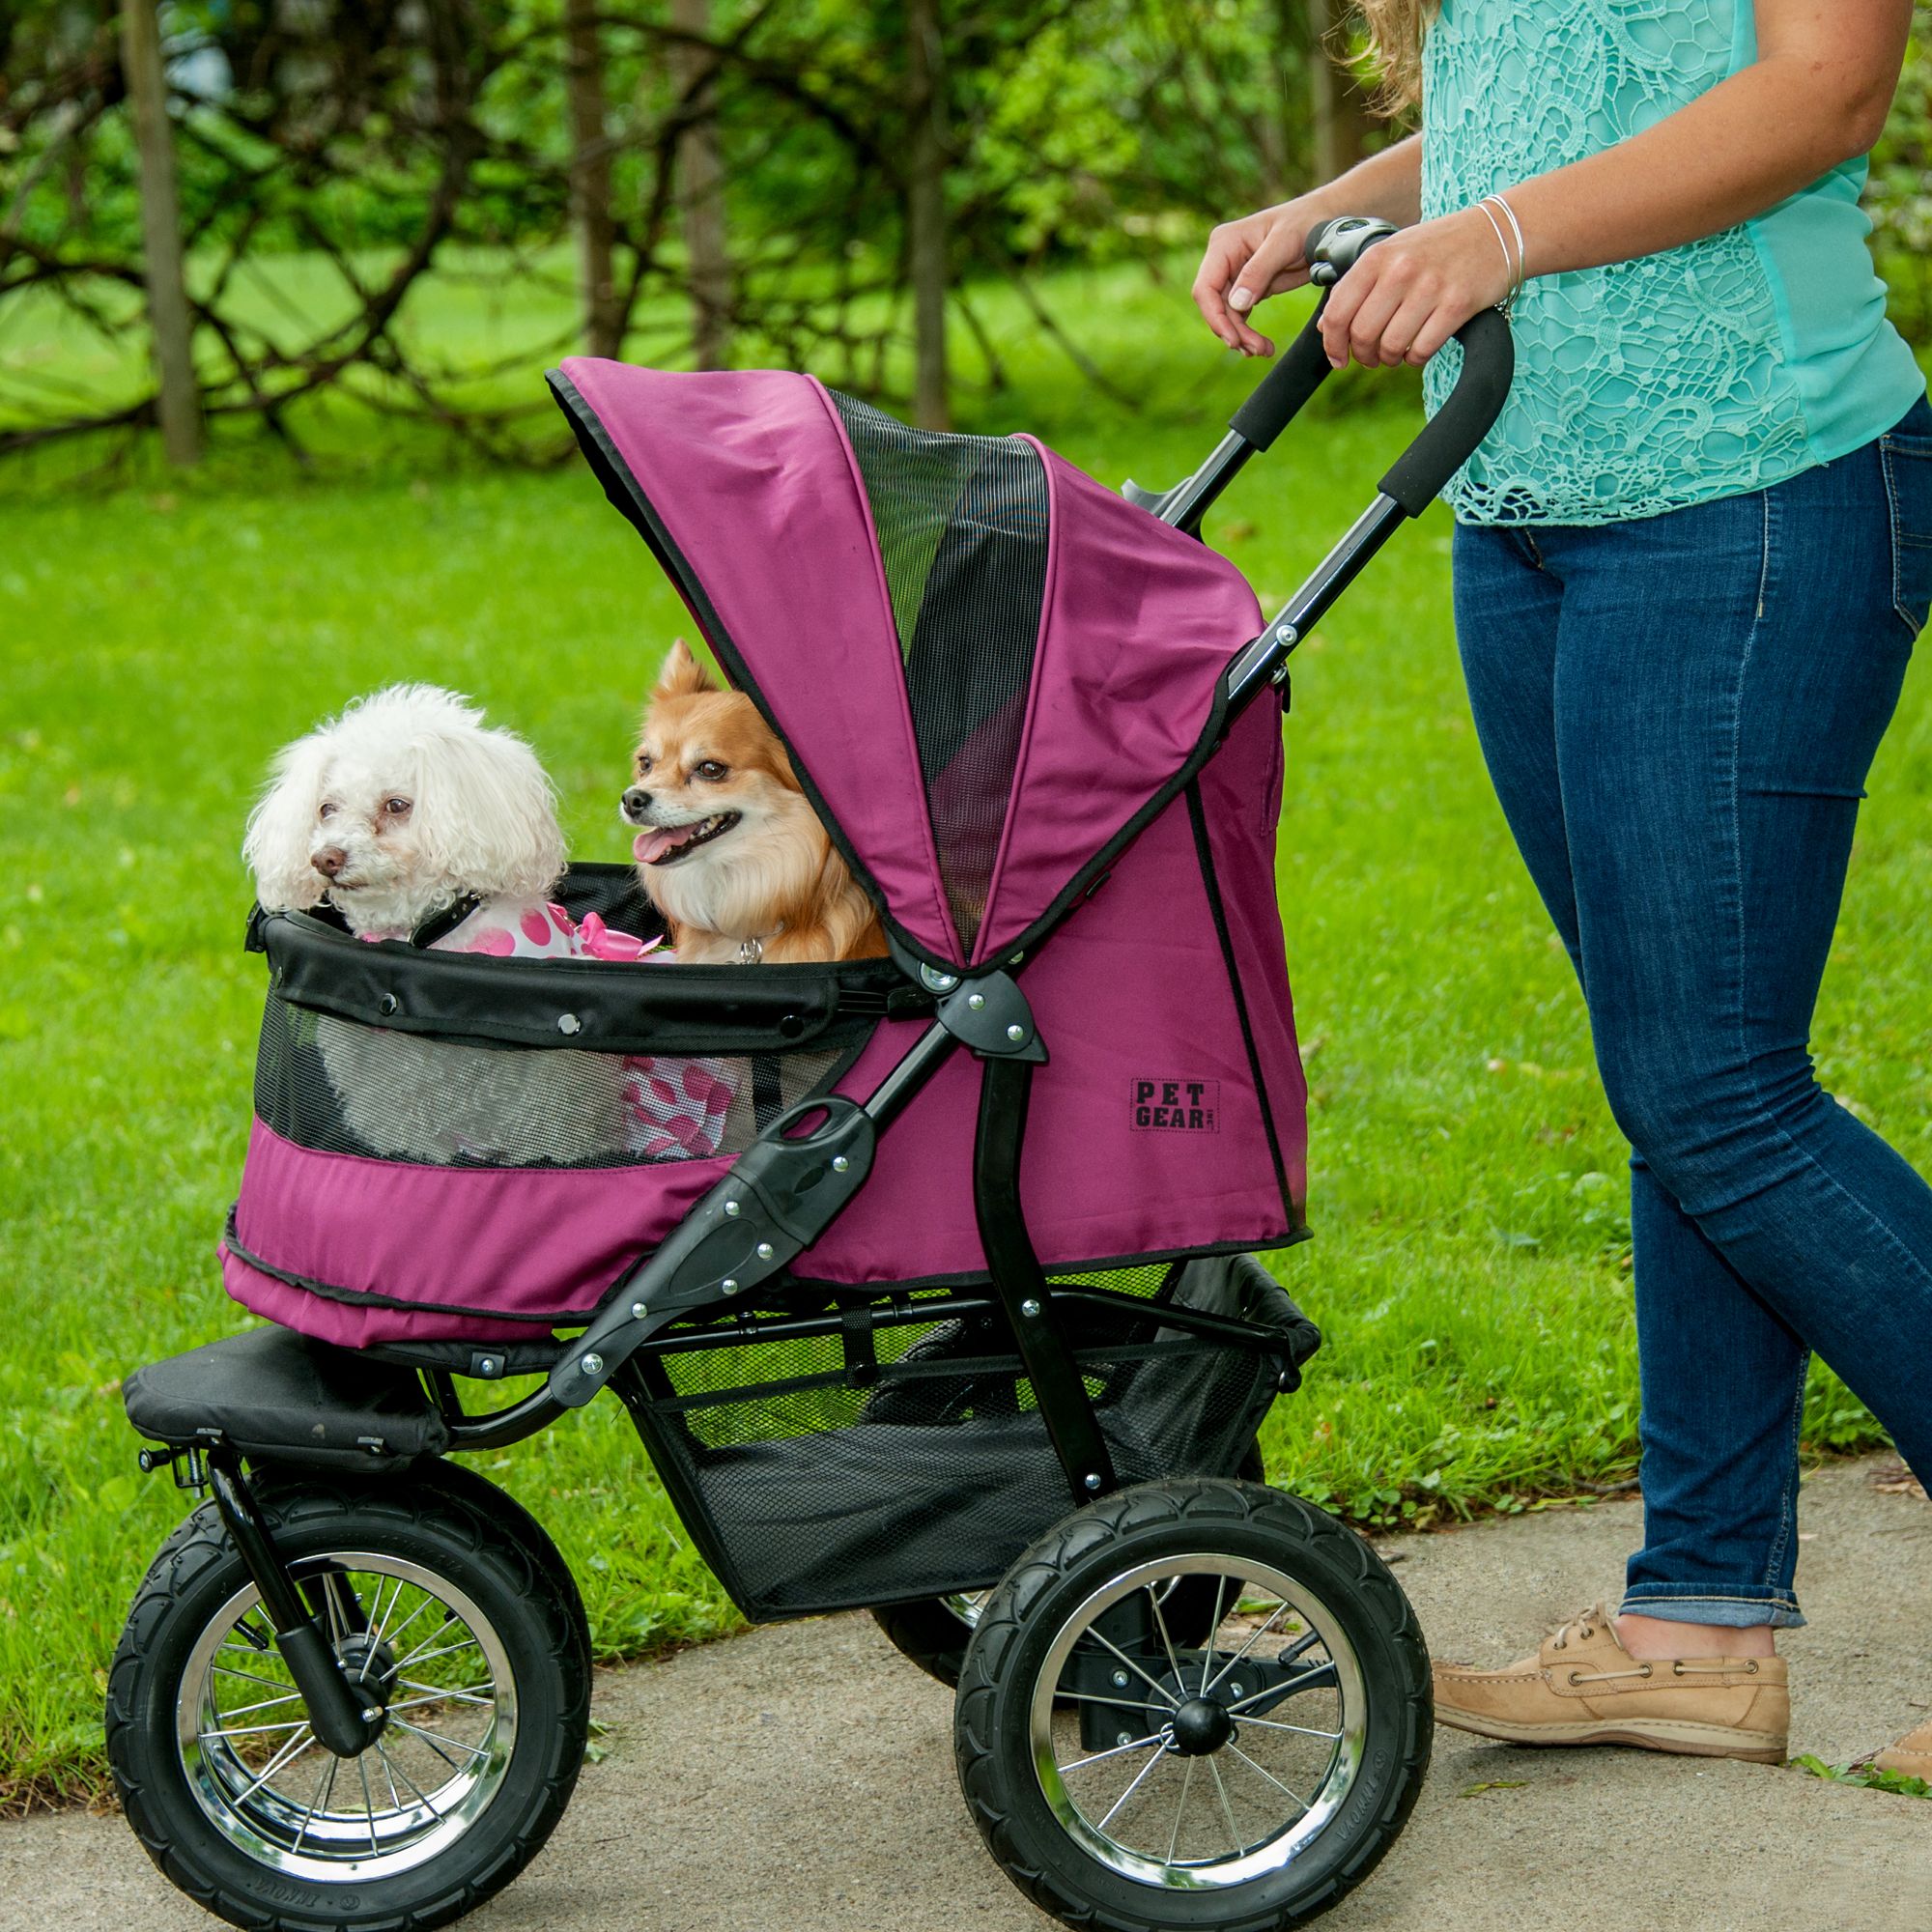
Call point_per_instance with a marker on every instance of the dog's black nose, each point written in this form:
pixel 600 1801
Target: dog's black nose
pixel 637 801
pixel 330 861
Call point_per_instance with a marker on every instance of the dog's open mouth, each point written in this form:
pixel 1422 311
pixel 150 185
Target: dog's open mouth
pixel 666 844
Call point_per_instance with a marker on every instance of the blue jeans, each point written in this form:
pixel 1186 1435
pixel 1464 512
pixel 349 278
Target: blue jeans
pixel 1678 714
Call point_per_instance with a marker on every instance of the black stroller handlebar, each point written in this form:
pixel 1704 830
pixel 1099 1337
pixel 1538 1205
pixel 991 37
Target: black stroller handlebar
pixel 1448 442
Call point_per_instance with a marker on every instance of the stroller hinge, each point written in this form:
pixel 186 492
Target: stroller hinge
pixel 785 1191
pixel 1065 1405
pixel 990 1013
pixel 343 1721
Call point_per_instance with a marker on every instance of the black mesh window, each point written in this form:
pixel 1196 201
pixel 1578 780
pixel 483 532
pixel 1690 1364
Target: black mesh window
pixel 961 522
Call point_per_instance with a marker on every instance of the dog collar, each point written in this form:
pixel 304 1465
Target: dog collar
pixel 440 925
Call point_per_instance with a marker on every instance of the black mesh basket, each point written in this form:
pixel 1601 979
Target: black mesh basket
pixel 901 1457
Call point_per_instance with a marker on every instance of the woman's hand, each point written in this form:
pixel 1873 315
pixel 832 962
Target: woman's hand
pixel 1249 260
pixel 1408 295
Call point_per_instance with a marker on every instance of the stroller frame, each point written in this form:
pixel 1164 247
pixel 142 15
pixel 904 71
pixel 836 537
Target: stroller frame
pixel 803 1168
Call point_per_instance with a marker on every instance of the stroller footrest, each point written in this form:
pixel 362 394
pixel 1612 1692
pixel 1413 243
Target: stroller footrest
pixel 286 1398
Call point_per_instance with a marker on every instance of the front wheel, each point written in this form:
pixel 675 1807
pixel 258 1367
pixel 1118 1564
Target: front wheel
pixel 1131 1776
pixel 449 1607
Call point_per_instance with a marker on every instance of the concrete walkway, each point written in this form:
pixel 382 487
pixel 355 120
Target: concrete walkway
pixel 800 1779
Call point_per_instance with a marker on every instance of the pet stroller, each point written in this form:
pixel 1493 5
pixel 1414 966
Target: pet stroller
pixel 927 1280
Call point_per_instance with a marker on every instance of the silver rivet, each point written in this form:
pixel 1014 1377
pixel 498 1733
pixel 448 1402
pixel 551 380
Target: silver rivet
pixel 1234 1689
pixel 765 1251
pixel 730 1283
pixel 1092 1482
pixel 938 981
pixel 592 1365
pixel 487 1365
pixel 1016 1032
pixel 1286 634
pixel 639 1310
pixel 976 1001
pixel 730 1207
pixel 1124 1738
pixel 569 1023
pixel 840 1163
pixel 371 1712
pixel 1029 1306
pixel 1120 1680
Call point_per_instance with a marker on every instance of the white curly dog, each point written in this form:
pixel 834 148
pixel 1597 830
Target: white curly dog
pixel 405 806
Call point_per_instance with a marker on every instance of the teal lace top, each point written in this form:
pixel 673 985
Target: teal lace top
pixel 1706 371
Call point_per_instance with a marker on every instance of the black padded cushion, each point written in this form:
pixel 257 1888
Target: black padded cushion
pixel 280 1396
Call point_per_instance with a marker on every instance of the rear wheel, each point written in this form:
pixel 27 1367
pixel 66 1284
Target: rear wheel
pixel 1127 1779
pixel 933 1632
pixel 452 1610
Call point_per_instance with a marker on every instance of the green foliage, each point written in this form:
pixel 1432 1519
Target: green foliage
pixel 1869 1777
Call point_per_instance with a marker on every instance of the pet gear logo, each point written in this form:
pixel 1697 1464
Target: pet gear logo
pixel 1177 1106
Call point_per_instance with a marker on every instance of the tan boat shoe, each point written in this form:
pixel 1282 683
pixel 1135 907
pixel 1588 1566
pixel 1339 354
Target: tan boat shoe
pixel 1584 1687
pixel 1912 1753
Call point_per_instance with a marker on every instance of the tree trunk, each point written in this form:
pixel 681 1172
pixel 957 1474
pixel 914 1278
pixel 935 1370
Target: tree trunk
pixel 700 191
pixel 1338 123
pixel 590 179
pixel 180 398
pixel 925 212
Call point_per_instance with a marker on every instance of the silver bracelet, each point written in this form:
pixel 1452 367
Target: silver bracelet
pixel 1508 302
pixel 1522 247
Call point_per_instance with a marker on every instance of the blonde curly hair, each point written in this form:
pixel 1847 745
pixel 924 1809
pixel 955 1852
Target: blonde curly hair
pixel 1396 30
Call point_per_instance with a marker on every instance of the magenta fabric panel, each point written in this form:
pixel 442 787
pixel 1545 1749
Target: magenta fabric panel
pixel 1240 795
pixel 349 1326
pixel 1141 623
pixel 751 473
pixel 526 1241
pixel 1132 989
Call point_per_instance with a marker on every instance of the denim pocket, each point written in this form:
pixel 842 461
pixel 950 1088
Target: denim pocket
pixel 1907 461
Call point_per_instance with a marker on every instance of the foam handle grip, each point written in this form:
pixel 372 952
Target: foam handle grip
pixel 1422 472
pixel 1283 390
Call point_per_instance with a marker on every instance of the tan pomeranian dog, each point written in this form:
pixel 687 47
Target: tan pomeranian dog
pixel 729 847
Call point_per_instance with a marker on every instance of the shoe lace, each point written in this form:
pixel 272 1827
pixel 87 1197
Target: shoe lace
pixel 1585 1625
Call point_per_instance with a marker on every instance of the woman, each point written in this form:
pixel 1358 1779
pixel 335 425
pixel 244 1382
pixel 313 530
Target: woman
pixel 1690 563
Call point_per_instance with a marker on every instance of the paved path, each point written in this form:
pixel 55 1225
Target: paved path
pixel 800 1779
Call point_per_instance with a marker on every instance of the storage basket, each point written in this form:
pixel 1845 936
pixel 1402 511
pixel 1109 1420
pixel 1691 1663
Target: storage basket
pixel 902 1456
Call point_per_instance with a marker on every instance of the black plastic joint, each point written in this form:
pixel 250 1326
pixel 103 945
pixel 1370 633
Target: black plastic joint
pixel 990 1014
pixel 785 1189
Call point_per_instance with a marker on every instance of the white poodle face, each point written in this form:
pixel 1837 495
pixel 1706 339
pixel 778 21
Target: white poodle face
pixel 401 807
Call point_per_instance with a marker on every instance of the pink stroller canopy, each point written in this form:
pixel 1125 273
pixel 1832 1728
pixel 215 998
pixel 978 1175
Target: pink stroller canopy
pixel 988 669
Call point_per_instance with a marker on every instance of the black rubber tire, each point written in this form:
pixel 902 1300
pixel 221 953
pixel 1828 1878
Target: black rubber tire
pixel 934 1636
pixel 450 1522
pixel 1030 1606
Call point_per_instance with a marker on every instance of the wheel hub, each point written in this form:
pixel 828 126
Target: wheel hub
pixel 1201 1726
pixel 370 1666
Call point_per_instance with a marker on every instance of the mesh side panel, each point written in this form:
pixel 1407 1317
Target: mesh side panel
pixel 961 522
pixel 825 1488
pixel 343 1088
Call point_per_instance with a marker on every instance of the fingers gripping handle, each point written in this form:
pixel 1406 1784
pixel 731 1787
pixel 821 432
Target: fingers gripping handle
pixel 1422 472
pixel 1332 249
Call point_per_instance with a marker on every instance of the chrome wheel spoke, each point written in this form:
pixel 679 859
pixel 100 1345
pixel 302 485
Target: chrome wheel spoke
pixel 1179 1810
pixel 1139 1778
pixel 1100 1757
pixel 436 1741
pixel 1254 1637
pixel 1274 1724
pixel 1227 1809
pixel 1165 1697
pixel 1300 1803
pixel 1213 1630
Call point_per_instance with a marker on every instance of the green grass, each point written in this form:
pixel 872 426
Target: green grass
pixel 155 644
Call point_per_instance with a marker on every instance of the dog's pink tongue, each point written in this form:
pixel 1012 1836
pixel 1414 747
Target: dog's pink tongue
pixel 648 847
